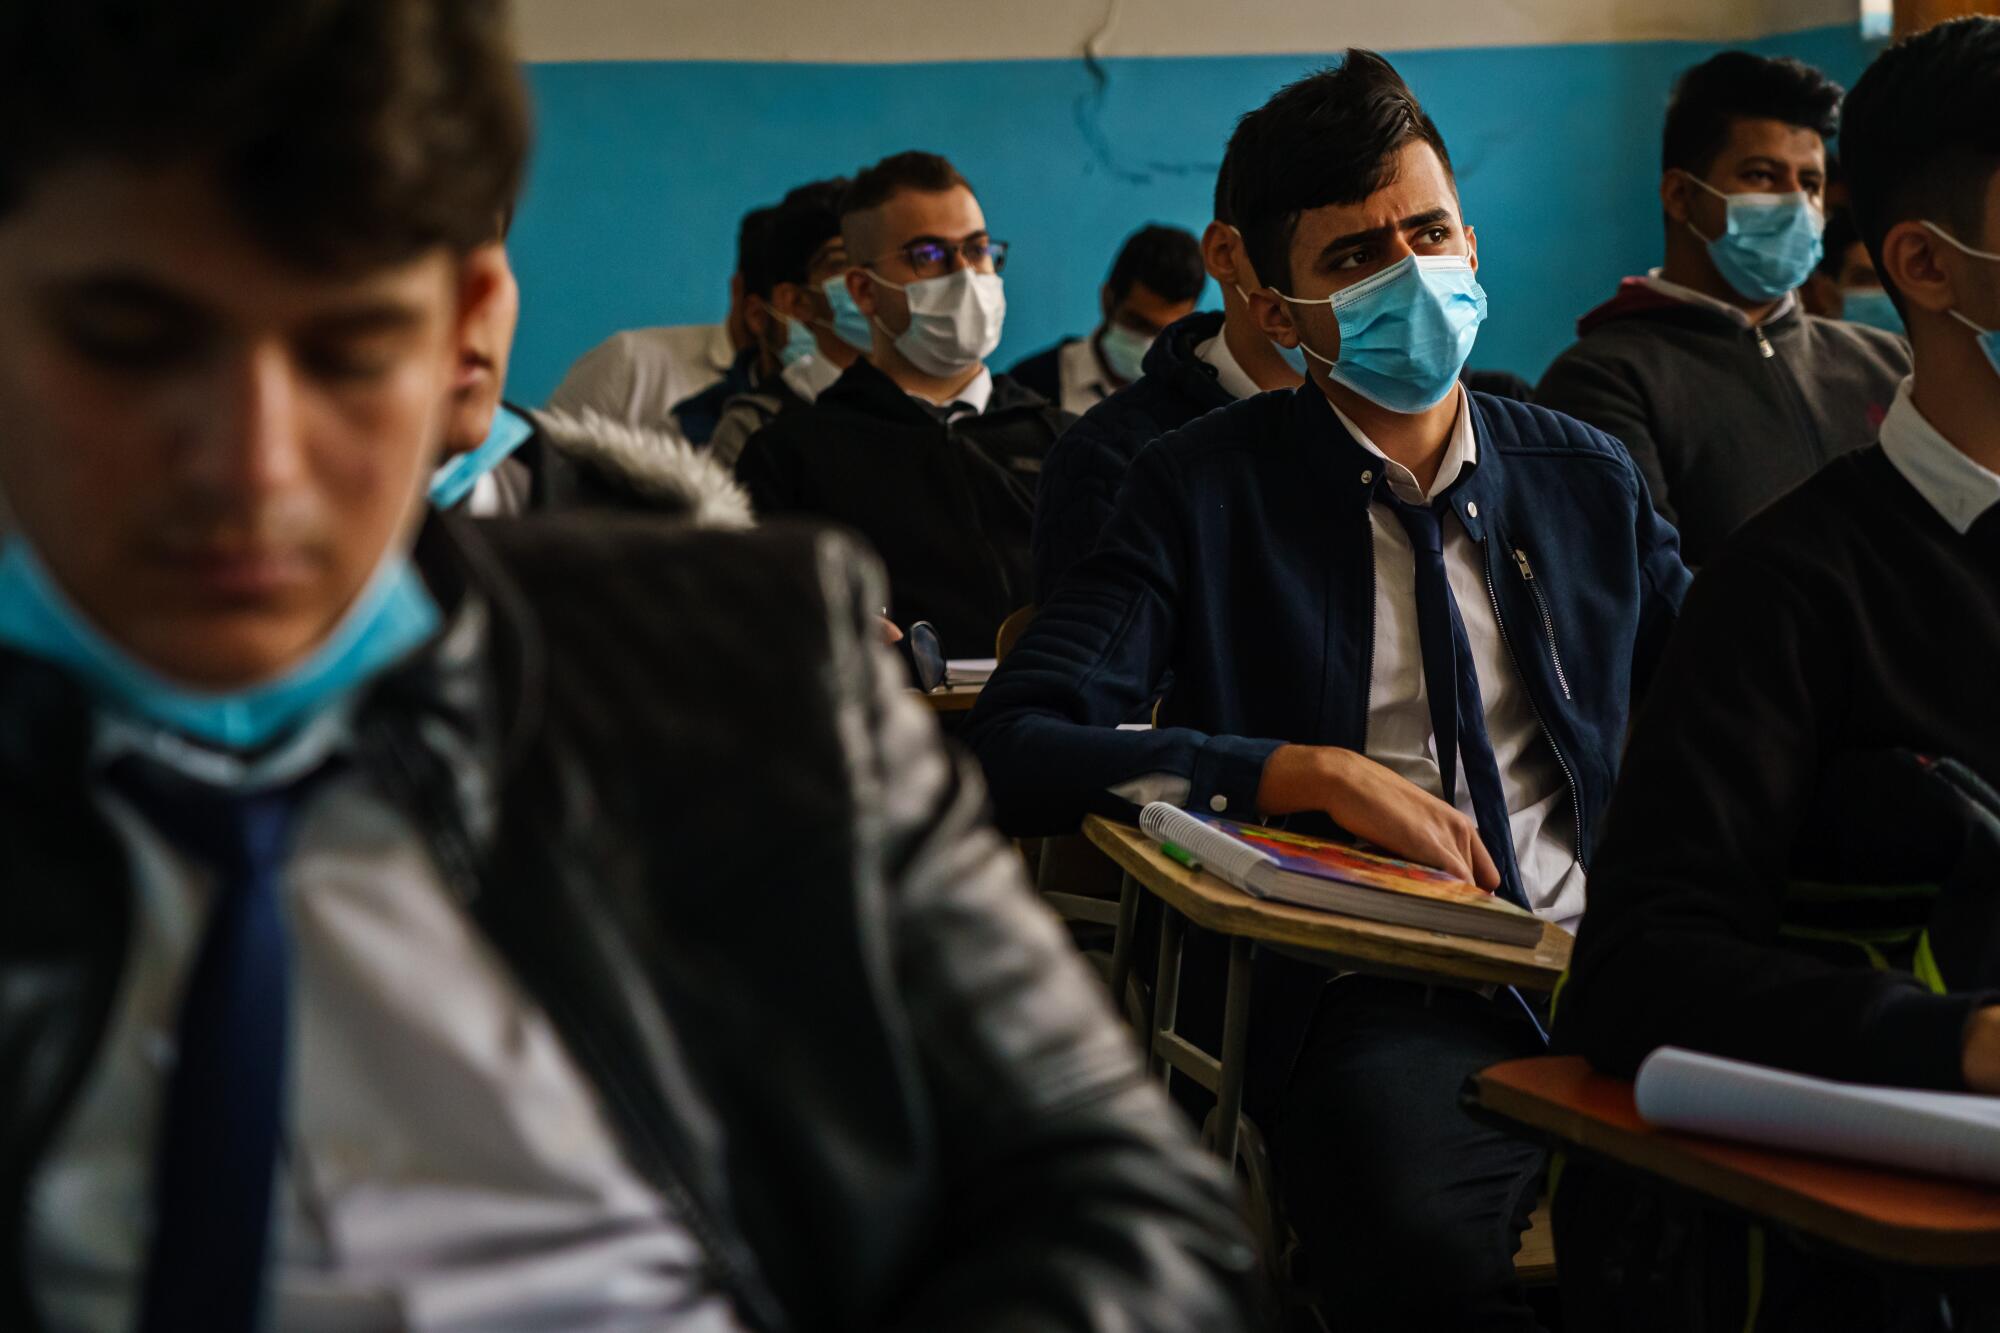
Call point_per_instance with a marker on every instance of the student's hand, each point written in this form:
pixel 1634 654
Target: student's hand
pixel 1377 806
pixel 1982 1050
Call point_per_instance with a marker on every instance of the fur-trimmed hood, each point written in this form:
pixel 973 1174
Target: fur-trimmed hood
pixel 666 471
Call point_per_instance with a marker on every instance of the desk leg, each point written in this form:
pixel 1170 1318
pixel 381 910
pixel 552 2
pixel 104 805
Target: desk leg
pixel 1235 1040
pixel 1166 988
pixel 1123 942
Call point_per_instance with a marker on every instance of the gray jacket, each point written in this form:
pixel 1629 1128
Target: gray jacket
pixel 1723 419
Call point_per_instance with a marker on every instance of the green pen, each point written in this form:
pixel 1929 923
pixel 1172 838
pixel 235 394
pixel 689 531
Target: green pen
pixel 1180 854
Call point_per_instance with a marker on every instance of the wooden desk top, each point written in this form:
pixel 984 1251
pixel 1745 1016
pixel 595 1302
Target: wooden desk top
pixel 1215 905
pixel 952 698
pixel 1877 1211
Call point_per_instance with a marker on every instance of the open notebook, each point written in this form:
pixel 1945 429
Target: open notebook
pixel 1942 1133
pixel 1334 877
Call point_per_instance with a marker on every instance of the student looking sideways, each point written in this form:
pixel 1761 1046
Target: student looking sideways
pixel 399 928
pixel 1824 726
pixel 1155 281
pixel 1725 391
pixel 918 446
pixel 1389 604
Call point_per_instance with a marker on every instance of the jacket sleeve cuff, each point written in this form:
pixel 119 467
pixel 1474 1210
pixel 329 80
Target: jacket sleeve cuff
pixel 1916 1039
pixel 1227 773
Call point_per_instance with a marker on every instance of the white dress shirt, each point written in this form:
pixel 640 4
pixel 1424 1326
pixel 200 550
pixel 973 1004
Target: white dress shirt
pixel 640 376
pixel 1082 382
pixel 1958 488
pixel 975 395
pixel 1229 372
pixel 446 1167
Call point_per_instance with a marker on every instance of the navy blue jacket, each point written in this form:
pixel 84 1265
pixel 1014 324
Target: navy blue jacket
pixel 1081 478
pixel 1240 558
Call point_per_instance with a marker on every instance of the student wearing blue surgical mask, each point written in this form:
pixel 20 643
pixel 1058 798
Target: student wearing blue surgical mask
pixel 793 315
pixel 1391 607
pixel 918 445
pixel 1824 715
pixel 1155 281
pixel 1708 369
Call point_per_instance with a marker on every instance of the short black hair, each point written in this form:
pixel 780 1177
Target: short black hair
pixel 753 249
pixel 1841 232
pixel 347 134
pixel 1166 259
pixel 1225 212
pixel 806 219
pixel 1922 139
pixel 926 173
pixel 1330 138
pixel 1738 85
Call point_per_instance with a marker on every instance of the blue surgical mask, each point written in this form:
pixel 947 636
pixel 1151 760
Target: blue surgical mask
pixel 1989 339
pixel 1770 244
pixel 1406 332
pixel 1124 351
pixel 454 480
pixel 393 616
pixel 849 324
pixel 799 342
pixel 1871 306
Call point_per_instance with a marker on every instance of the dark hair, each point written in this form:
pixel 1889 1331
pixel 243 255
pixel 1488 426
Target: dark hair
pixel 753 249
pixel 1737 85
pixel 1922 139
pixel 806 219
pixel 348 134
pixel 1330 138
pixel 1166 259
pixel 925 173
pixel 1224 211
pixel 1840 233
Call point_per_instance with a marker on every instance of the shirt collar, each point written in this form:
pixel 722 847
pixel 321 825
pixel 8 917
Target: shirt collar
pixel 1958 488
pixel 1460 452
pixel 1229 373
pixel 1083 367
pixel 1675 291
pixel 975 395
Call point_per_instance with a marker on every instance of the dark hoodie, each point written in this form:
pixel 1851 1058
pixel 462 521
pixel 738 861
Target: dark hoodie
pixel 1083 472
pixel 1723 419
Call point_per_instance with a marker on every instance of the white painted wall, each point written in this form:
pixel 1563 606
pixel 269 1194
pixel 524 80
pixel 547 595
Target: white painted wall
pixel 898 31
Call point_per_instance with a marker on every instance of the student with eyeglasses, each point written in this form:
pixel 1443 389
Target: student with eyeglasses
pixel 919 446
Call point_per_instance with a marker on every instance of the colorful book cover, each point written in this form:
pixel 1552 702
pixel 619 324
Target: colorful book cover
pixel 1322 859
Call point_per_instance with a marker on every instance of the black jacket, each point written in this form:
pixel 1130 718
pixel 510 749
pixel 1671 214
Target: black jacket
pixel 948 507
pixel 1723 419
pixel 729 856
pixel 1847 619
pixel 1041 371
pixel 1089 462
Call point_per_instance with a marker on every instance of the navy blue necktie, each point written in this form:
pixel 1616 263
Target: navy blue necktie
pixel 1458 715
pixel 217 1151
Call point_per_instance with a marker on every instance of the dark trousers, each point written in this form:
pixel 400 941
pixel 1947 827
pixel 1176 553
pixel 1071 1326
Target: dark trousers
pixel 1410 1211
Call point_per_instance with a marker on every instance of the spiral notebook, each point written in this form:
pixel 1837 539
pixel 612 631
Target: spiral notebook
pixel 1334 877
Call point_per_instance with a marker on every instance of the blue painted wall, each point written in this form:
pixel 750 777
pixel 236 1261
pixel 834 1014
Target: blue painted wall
pixel 642 170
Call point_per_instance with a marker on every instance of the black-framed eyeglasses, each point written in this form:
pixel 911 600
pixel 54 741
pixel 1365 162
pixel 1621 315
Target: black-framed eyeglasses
pixel 929 257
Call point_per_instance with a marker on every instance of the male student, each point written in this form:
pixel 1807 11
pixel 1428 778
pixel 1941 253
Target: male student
pixel 399 926
pixel 809 335
pixel 1388 603
pixel 918 446
pixel 1824 715
pixel 505 460
pixel 1727 393
pixel 1155 281
pixel 639 376
pixel 1201 362
pixel 1848 273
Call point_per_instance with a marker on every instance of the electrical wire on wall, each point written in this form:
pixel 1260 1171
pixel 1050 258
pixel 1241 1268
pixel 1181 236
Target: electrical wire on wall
pixel 1089 115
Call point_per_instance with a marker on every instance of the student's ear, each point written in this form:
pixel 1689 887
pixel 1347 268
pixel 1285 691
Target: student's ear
pixel 1917 264
pixel 794 302
pixel 1472 247
pixel 1273 317
pixel 481 276
pixel 864 292
pixel 1675 187
pixel 1218 254
pixel 757 318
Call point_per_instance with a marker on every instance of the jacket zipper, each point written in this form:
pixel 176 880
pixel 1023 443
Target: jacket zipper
pixel 1562 762
pixel 1548 621
pixel 1789 387
pixel 1764 347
